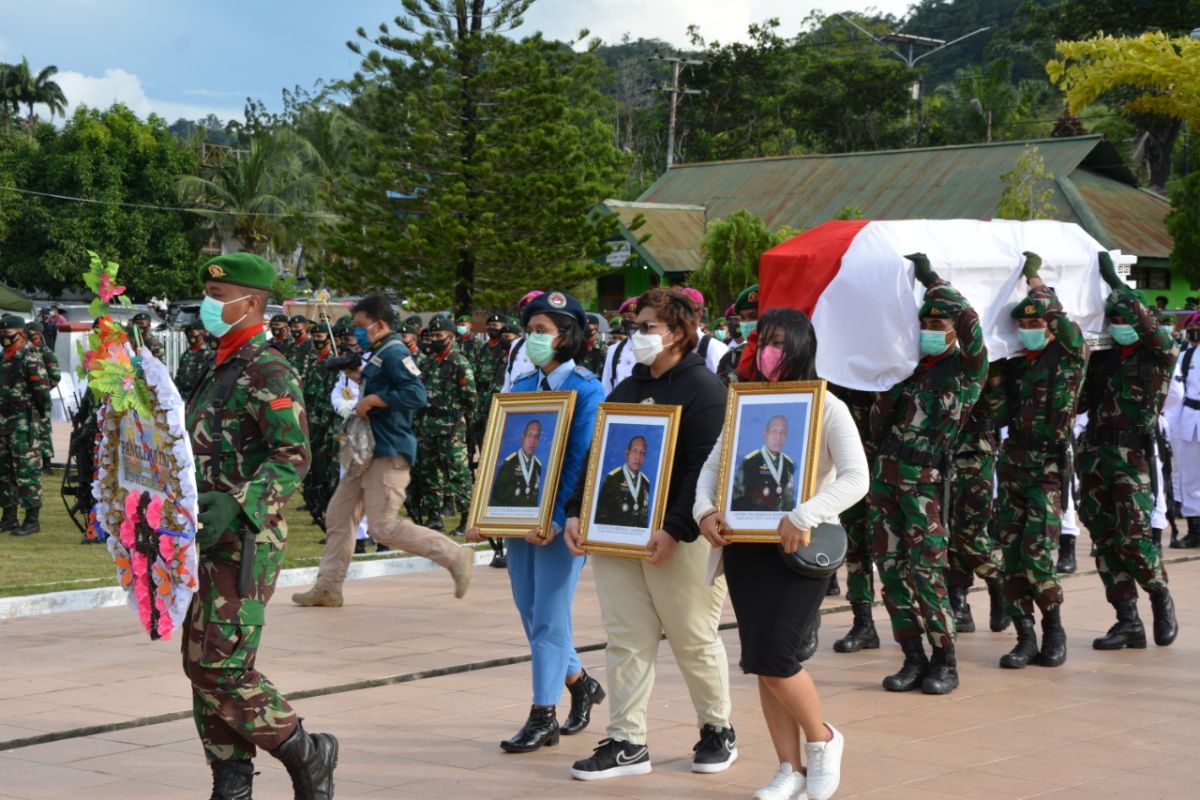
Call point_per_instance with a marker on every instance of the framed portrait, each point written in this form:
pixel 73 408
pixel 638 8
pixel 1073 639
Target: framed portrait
pixel 770 447
pixel 628 473
pixel 519 462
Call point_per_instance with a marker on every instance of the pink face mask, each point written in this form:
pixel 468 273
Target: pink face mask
pixel 769 360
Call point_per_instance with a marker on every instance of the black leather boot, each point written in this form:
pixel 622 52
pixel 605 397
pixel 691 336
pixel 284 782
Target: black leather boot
pixel 586 692
pixel 961 609
pixel 540 729
pixel 310 760
pixel 1186 543
pixel 834 589
pixel 1054 640
pixel 1066 555
pixel 808 647
pixel 912 672
pixel 9 521
pixel 998 619
pixel 499 560
pixel 1166 628
pixel 1127 632
pixel 30 526
pixel 232 780
pixel 1025 651
pixel 862 635
pixel 943 672
pixel 434 523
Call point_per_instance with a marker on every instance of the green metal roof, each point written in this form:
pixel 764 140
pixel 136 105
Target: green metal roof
pixel 669 236
pixel 957 182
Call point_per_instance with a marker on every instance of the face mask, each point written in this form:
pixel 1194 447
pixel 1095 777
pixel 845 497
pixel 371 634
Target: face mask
pixel 720 336
pixel 436 345
pixel 1034 339
pixel 296 334
pixel 8 341
pixel 1124 335
pixel 540 348
pixel 646 347
pixel 361 336
pixel 461 330
pixel 1193 334
pixel 493 334
pixel 769 360
pixel 279 333
pixel 747 328
pixel 933 343
pixel 320 344
pixel 1167 330
pixel 212 316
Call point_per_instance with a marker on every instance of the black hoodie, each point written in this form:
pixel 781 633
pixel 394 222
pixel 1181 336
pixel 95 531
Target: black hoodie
pixel 702 396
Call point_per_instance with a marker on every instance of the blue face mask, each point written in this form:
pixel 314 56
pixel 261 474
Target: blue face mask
pixel 540 348
pixel 747 328
pixel 1124 335
pixel 212 315
pixel 933 343
pixel 1167 330
pixel 461 330
pixel 1034 339
pixel 720 336
pixel 360 336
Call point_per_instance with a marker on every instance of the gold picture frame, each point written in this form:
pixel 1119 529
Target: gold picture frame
pixel 622 507
pixel 506 474
pixel 750 480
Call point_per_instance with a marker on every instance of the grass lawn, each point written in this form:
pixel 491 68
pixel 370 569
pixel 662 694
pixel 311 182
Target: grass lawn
pixel 54 560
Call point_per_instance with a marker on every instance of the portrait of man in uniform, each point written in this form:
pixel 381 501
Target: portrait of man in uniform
pixel 625 494
pixel 765 479
pixel 519 476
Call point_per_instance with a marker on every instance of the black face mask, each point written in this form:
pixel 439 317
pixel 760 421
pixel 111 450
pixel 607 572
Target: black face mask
pixel 8 341
pixel 320 344
pixel 493 334
pixel 1193 334
pixel 437 346
pixel 426 347
pixel 280 333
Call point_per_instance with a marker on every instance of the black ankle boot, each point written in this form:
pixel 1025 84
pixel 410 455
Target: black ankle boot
pixel 1127 632
pixel 862 635
pixel 310 760
pixel 232 780
pixel 1054 639
pixel 9 521
pixel 808 647
pixel 912 672
pixel 961 609
pixel 1025 651
pixel 1156 535
pixel 586 692
pixel 30 526
pixel 1166 628
pixel 1186 543
pixel 540 729
pixel 998 619
pixel 1066 555
pixel 943 672
pixel 834 589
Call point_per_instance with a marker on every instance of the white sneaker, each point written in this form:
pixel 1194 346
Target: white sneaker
pixel 824 765
pixel 786 785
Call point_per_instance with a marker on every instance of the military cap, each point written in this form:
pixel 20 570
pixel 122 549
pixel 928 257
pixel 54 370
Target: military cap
pixel 511 325
pixel 941 302
pixel 342 328
pixel 141 315
pixel 465 318
pixel 405 329
pixel 496 316
pixel 695 295
pixel 616 322
pixel 1122 303
pixel 279 318
pixel 720 321
pixel 35 327
pixel 746 300
pixel 413 319
pixel 527 298
pixel 240 269
pixel 628 305
pixel 555 303
pixel 11 321
pixel 299 319
pixel 1027 309
pixel 440 324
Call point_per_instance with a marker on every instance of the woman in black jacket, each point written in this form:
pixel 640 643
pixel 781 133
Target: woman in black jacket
pixel 666 592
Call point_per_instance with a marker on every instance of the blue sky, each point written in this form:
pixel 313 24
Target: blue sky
pixel 190 57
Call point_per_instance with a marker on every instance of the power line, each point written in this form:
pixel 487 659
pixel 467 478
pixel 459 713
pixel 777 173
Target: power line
pixel 151 207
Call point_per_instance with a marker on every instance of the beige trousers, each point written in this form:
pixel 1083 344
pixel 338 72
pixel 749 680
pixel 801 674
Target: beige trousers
pixel 378 491
pixel 640 602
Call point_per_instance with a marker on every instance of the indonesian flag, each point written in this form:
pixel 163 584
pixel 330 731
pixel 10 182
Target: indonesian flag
pixel 853 281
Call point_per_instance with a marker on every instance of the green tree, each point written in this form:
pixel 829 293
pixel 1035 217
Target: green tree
pixel 43 90
pixel 1028 189
pixel 732 247
pixel 1183 223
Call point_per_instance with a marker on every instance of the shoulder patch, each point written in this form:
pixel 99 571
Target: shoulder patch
pixel 409 365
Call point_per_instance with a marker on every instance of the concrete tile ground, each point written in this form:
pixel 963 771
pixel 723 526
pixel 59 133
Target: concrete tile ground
pixel 1106 724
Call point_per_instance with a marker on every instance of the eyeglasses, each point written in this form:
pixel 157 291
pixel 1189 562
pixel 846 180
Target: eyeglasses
pixel 644 327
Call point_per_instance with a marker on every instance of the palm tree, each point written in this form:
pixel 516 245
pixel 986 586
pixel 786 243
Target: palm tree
pixel 11 93
pixel 43 91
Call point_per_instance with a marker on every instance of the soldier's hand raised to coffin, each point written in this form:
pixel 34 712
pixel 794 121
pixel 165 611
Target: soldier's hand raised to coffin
pixel 1108 271
pixel 1033 263
pixel 924 273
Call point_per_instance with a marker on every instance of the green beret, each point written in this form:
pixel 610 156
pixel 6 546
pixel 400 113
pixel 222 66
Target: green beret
pixel 511 325
pixel 299 319
pixel 748 299
pixel 240 269
pixel 1123 303
pixel 1029 308
pixel 720 321
pixel 35 327
pixel 496 316
pixel 939 303
pixel 279 318
pixel 404 329
pixel 141 315
pixel 443 315
pixel 413 319
pixel 465 318
pixel 11 321
pixel 616 322
pixel 440 324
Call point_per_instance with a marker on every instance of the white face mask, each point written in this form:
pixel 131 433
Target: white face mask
pixel 646 347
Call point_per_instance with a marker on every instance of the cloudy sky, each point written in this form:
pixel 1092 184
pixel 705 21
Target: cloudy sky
pixel 186 58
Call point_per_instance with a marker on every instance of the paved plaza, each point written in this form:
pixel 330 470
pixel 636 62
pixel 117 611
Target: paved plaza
pixel 420 689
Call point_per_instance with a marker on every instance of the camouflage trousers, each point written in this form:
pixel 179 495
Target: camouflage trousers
pixel 1029 518
pixel 20 464
pixel 235 707
pixel 46 442
pixel 972 551
pixel 910 548
pixel 1115 504
pixel 860 565
pixel 444 472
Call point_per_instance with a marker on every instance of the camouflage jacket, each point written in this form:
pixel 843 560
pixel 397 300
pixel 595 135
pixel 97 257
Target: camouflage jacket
pixel 192 366
pixel 859 403
pixel 50 361
pixel 284 345
pixel 490 361
pixel 978 434
pixel 1040 390
pixel 918 420
pixel 450 386
pixel 303 358
pixel 469 346
pixel 727 368
pixel 24 385
pixel 318 387
pixel 1125 387
pixel 260 462
pixel 593 360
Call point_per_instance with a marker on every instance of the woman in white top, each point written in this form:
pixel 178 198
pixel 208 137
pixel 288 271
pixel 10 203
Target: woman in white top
pixel 775 606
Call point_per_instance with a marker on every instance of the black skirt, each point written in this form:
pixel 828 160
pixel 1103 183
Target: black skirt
pixel 775 608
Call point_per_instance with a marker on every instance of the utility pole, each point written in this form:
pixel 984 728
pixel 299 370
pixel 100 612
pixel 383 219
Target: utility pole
pixel 675 90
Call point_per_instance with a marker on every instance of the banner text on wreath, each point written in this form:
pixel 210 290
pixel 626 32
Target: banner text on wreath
pixel 139 469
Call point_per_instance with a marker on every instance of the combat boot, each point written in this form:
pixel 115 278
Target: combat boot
pixel 585 692
pixel 232 780
pixel 961 610
pixel 30 526
pixel 1156 535
pixel 1127 632
pixel 1186 543
pixel 1026 650
pixel 943 672
pixel 435 524
pixel 1166 628
pixel 541 729
pixel 834 589
pixel 310 760
pixel 912 672
pixel 862 635
pixel 1054 639
pixel 318 597
pixel 998 619
pixel 9 521
pixel 1066 555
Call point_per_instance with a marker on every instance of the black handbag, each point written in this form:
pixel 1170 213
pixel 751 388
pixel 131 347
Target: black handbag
pixel 825 552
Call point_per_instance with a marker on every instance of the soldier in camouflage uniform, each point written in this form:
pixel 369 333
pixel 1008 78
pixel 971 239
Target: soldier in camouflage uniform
pixel 490 362
pixel 1123 394
pixel 860 569
pixel 303 356
pixel 142 322
pixel 281 335
pixel 594 359
pixel 53 376
pixel 746 307
pixel 194 362
pixel 468 345
pixel 1038 399
pixel 24 398
pixel 914 425
pixel 245 475
pixel 321 480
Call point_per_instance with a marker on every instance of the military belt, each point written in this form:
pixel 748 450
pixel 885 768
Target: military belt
pixel 911 454
pixel 1114 436
pixel 1190 403
pixel 1026 442
pixel 980 426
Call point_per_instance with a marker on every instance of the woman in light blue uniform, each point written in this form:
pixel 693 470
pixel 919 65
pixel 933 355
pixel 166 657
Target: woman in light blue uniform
pixel 542 571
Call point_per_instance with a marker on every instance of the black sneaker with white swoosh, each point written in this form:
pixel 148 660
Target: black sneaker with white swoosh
pixel 716 750
pixel 612 759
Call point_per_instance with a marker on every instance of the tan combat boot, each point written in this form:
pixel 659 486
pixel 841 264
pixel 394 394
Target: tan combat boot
pixel 461 571
pixel 318 597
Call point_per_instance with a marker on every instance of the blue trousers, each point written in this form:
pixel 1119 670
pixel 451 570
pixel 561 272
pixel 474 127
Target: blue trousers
pixel 543 586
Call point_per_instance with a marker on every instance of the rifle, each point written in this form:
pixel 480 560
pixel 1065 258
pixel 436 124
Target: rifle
pixel 1168 469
